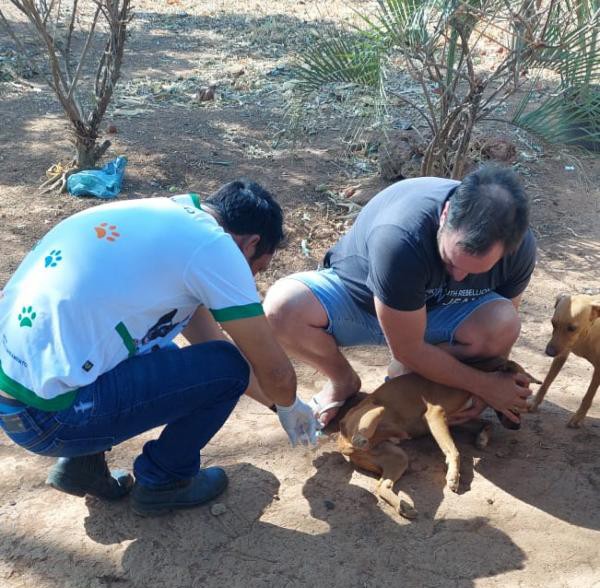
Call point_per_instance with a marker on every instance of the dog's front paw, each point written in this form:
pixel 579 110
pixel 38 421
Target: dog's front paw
pixel 453 480
pixel 483 437
pixel 575 422
pixel 407 510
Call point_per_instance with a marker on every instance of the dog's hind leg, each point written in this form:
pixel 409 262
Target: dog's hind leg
pixel 366 426
pixel 438 425
pixel 587 400
pixel 393 462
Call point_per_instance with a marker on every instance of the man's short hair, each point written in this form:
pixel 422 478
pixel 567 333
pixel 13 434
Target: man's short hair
pixel 246 208
pixel 489 206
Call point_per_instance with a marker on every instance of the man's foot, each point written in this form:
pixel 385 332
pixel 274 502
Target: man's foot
pixel 332 397
pixel 150 500
pixel 396 369
pixel 89 474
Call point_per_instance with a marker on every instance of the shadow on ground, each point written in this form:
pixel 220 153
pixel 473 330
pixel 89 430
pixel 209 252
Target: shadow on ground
pixel 239 548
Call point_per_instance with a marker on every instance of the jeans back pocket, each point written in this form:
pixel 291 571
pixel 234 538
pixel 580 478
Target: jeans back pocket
pixel 13 423
pixel 28 430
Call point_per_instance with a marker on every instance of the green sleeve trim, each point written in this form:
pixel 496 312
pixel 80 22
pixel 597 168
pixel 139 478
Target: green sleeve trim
pixel 26 396
pixel 127 338
pixel 196 200
pixel 233 313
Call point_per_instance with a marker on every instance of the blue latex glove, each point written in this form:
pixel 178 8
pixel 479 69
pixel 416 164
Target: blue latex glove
pixel 299 422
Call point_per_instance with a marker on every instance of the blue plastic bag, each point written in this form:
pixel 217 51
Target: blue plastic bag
pixel 103 183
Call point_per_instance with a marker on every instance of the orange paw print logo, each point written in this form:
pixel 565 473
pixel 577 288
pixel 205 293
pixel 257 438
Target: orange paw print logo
pixel 108 231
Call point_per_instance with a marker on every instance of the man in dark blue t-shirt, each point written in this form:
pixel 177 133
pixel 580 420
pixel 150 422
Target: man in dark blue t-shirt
pixel 435 269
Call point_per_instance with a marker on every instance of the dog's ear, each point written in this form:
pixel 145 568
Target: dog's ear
pixel 595 311
pixel 532 379
pixel 559 298
pixel 512 367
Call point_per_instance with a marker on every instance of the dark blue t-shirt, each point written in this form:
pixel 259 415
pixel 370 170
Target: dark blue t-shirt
pixel 391 252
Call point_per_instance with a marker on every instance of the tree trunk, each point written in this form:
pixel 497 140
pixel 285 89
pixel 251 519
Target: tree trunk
pixel 87 152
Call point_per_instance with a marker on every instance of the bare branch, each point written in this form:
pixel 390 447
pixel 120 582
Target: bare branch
pixel 413 106
pixel 417 75
pixel 83 54
pixel 68 67
pixel 48 11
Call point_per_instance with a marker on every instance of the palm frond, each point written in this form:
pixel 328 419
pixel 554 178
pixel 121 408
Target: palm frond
pixel 573 51
pixel 402 22
pixel 341 57
pixel 569 118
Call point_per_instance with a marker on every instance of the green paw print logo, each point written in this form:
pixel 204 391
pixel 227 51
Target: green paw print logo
pixel 27 316
pixel 52 259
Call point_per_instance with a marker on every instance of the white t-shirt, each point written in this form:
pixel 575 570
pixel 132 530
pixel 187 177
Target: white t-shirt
pixel 110 282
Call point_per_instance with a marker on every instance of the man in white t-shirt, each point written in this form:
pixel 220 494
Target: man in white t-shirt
pixel 86 329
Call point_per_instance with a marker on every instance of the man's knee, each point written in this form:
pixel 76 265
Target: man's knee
pixel 502 338
pixel 278 306
pixel 286 307
pixel 494 332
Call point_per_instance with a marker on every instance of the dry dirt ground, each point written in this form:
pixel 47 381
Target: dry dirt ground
pixel 528 511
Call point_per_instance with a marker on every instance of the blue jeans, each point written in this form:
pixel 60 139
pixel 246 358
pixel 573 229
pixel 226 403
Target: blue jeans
pixel 350 325
pixel 191 390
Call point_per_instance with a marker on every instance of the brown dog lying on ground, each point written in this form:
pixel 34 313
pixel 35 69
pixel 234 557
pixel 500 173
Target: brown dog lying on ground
pixel 405 407
pixel 576 328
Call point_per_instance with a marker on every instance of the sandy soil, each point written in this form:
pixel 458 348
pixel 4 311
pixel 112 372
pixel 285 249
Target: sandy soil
pixel 527 514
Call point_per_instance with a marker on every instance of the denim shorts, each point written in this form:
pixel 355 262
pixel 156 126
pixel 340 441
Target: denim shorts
pixel 350 325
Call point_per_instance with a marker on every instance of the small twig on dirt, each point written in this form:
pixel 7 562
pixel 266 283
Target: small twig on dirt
pixel 216 162
pixel 253 557
pixel 57 178
pixel 52 184
pixel 277 138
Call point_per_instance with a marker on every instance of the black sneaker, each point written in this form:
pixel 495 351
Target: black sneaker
pixel 89 474
pixel 149 500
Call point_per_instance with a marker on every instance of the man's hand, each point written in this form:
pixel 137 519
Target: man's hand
pixel 299 422
pixel 476 407
pixel 508 394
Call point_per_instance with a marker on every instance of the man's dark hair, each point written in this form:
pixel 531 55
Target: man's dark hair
pixel 489 206
pixel 246 208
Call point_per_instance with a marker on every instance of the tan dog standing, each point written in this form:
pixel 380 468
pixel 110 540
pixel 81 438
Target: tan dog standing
pixel 405 407
pixel 575 328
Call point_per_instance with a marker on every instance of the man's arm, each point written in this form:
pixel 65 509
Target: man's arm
pixel 477 407
pixel 270 364
pixel 275 375
pixel 405 331
pixel 203 328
